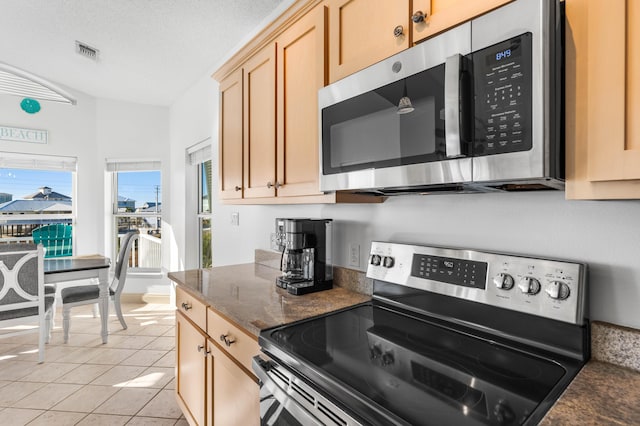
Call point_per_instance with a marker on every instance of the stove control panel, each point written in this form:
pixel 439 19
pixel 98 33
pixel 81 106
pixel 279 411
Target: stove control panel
pixel 555 289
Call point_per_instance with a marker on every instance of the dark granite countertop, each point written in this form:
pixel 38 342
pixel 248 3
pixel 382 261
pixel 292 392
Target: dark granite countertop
pixel 247 295
pixel 601 394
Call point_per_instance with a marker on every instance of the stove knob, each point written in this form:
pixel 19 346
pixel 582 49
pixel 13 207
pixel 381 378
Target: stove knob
pixel 387 358
pixel 558 290
pixel 375 260
pixel 529 285
pixel 388 261
pixel 503 281
pixel 375 352
pixel 503 413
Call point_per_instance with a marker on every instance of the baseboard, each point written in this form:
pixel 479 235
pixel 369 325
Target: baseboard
pixel 145 298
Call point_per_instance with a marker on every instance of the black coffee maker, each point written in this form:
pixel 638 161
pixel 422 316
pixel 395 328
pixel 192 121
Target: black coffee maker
pixel 306 260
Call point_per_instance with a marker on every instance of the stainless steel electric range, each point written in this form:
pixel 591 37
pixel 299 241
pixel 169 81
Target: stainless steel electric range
pixel 451 337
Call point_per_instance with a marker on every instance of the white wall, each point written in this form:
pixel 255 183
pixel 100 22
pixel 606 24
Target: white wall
pixel 191 122
pixel 72 132
pixel 93 130
pixel 132 131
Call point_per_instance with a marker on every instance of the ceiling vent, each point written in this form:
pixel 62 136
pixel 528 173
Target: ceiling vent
pixel 87 51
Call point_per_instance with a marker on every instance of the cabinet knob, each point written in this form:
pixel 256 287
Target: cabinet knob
pixel 276 185
pixel 205 353
pixel 225 338
pixel 398 31
pixel 418 17
pixel 238 188
pixel 186 306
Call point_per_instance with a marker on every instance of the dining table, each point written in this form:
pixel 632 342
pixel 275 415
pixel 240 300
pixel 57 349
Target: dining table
pixel 74 268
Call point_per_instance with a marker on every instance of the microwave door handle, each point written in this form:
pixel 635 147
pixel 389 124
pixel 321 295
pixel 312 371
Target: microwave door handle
pixel 452 106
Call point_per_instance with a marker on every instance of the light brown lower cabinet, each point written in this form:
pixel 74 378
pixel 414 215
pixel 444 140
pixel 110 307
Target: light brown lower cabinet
pixel 191 370
pixel 214 385
pixel 234 397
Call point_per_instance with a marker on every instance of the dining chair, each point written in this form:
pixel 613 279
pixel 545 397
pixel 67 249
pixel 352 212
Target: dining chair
pixel 89 294
pixel 22 292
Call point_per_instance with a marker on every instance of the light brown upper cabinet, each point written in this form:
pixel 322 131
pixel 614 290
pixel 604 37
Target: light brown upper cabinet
pixel 260 124
pixel 430 17
pixel 603 99
pixel 363 32
pixel 269 137
pixel 301 72
pixel 230 137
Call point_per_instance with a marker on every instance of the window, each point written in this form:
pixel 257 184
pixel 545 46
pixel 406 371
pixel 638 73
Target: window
pixel 35 190
pixel 204 213
pixel 199 156
pixel 137 205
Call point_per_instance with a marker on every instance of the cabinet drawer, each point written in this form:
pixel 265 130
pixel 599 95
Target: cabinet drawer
pixel 238 344
pixel 191 308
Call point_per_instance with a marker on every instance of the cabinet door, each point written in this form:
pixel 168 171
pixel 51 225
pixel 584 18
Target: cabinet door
pixel 260 124
pixel 614 83
pixel 190 371
pixel 234 397
pixel 602 99
pixel 301 72
pixel 361 33
pixel 443 14
pixel 230 137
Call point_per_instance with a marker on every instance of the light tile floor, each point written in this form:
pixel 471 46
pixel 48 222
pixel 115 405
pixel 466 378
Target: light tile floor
pixel 128 381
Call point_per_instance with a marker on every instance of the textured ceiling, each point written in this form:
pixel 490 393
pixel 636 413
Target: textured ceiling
pixel 151 51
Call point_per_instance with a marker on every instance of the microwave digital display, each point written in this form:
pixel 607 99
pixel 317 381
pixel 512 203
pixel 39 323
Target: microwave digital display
pixel 502 79
pixel 503 54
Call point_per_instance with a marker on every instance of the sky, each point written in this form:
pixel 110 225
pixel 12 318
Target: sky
pixel 140 186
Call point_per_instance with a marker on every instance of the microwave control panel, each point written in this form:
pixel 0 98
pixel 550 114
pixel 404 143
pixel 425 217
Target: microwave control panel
pixel 502 80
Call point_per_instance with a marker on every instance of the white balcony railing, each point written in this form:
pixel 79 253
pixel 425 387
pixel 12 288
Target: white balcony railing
pixel 146 253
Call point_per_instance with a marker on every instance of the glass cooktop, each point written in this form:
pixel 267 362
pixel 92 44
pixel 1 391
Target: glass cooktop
pixel 419 372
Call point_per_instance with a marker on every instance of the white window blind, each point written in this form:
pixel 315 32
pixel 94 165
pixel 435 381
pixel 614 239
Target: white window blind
pixel 200 152
pixel 114 165
pixel 12 160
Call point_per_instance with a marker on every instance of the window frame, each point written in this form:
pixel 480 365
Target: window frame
pixel 53 163
pixel 114 167
pixel 202 214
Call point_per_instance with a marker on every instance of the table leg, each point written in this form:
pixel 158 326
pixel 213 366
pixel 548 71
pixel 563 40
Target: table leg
pixel 103 305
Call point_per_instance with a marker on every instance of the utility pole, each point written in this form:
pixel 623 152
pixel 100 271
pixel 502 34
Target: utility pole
pixel 157 197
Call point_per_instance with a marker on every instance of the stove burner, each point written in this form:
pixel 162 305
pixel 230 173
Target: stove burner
pixel 436 340
pixel 509 364
pixel 447 386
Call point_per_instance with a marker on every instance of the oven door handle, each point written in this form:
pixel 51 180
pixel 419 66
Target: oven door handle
pixel 452 99
pixel 289 404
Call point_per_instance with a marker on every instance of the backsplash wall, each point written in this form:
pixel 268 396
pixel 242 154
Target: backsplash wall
pixel 603 234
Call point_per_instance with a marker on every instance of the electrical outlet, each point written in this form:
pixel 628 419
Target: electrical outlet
pixel 354 255
pixel 235 219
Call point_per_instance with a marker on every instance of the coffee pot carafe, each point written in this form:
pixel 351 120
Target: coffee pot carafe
pixel 306 263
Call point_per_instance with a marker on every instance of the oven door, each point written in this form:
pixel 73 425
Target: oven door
pixel 401 122
pixel 285 400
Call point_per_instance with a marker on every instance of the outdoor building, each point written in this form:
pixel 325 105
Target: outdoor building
pixel 4 197
pixel 45 203
pixel 126 204
pixel 45 193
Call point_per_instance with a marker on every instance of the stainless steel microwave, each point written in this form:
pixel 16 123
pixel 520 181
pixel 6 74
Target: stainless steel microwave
pixel 476 108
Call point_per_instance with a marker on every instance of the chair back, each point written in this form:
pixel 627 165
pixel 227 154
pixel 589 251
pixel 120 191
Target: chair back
pixel 122 263
pixel 21 281
pixel 56 239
